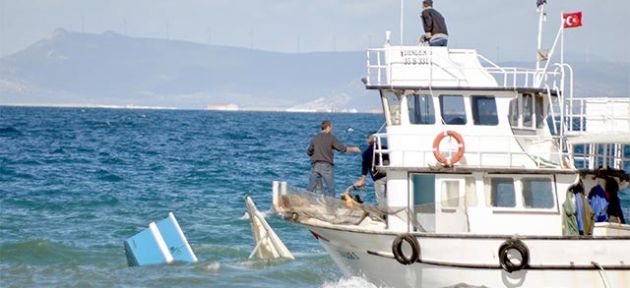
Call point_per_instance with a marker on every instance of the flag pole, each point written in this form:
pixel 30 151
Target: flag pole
pixel 562 39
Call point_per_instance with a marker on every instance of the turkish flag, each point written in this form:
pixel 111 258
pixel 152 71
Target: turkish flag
pixel 572 20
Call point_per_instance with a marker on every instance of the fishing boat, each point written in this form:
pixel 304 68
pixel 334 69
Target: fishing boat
pixel 486 165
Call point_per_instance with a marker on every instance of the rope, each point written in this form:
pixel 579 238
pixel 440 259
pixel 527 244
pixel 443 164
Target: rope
pixel 602 273
pixel 444 125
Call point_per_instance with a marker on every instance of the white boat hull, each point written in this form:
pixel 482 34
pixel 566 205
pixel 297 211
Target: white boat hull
pixel 449 260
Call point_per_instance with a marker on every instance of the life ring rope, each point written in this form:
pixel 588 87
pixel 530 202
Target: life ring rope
pixel 461 147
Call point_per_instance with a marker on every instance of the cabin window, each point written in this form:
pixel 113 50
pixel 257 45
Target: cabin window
pixel 452 108
pixel 484 110
pixel 502 192
pixel 528 110
pixel 421 109
pixel 540 115
pixel 450 193
pixel 514 113
pixel 393 107
pixel 423 189
pixel 537 193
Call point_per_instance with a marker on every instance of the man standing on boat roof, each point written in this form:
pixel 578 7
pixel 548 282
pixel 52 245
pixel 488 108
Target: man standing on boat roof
pixel 434 25
pixel 367 165
pixel 321 153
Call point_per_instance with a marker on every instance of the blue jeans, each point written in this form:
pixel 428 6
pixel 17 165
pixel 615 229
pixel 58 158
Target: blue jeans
pixel 438 42
pixel 322 172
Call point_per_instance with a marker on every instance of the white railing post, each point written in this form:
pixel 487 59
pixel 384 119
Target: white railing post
pixel 275 194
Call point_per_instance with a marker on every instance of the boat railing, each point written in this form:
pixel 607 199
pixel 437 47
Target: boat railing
pixel 380 70
pixel 593 155
pixel 597 115
pixel 477 155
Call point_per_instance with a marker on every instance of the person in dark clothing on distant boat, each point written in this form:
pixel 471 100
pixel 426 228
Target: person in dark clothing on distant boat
pixel 321 152
pixel 615 214
pixel 379 178
pixel 624 196
pixel 599 202
pixel 434 25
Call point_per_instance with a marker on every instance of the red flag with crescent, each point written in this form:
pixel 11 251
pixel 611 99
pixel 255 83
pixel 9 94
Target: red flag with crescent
pixel 572 20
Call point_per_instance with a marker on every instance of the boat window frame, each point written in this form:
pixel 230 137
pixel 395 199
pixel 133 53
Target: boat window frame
pixel 475 110
pixel 431 116
pixel 527 111
pixel 493 192
pixel 514 115
pixel 539 116
pixel 429 206
pixel 392 113
pixel 462 101
pixel 519 194
pixel 524 191
pixel 446 199
pixel 535 119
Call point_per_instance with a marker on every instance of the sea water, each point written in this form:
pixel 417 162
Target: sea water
pixel 75 183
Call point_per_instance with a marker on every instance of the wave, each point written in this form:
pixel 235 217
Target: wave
pixel 9 132
pixel 108 176
pixel 46 252
pixel 212 266
pixel 350 282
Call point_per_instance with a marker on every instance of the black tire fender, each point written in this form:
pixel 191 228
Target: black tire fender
pixel 518 246
pixel 398 251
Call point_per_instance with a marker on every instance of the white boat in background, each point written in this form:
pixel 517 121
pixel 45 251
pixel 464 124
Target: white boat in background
pixel 478 182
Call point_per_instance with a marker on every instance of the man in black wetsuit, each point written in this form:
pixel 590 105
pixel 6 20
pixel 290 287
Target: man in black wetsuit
pixel 434 25
pixel 321 153
pixel 378 177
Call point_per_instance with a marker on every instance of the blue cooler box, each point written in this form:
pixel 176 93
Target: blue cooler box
pixel 162 243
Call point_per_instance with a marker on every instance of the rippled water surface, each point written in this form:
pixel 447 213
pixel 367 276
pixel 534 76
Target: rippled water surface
pixel 75 183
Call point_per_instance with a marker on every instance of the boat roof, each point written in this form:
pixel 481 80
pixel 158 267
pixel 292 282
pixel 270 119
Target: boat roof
pixel 451 88
pixel 600 138
pixel 443 68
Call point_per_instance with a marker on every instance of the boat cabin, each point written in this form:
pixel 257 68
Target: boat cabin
pixel 509 175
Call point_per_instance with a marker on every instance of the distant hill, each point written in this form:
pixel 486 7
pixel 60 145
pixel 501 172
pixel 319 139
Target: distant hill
pixel 69 68
pixel 112 69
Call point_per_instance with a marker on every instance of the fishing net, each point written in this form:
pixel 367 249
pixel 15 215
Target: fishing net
pixel 300 204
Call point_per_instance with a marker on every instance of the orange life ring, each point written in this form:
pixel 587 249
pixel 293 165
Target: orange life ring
pixel 460 148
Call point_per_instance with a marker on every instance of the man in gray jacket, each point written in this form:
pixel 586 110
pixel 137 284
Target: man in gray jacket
pixel 321 153
pixel 434 25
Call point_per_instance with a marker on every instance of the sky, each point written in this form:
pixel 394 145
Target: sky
pixel 502 30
